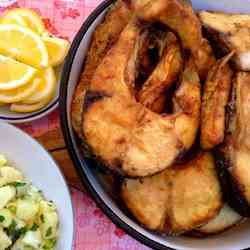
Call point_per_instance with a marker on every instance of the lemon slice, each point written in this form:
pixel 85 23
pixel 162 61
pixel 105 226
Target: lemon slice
pixel 31 19
pixel 57 49
pixel 27 108
pixel 19 94
pixel 9 18
pixel 46 86
pixel 14 74
pixel 23 44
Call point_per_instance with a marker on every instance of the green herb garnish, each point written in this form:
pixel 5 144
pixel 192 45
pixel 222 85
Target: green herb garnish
pixel 34 227
pixel 42 218
pixel 48 232
pixel 2 218
pixel 17 184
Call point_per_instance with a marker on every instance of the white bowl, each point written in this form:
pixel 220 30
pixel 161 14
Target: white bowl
pixel 235 239
pixel 37 165
pixel 13 117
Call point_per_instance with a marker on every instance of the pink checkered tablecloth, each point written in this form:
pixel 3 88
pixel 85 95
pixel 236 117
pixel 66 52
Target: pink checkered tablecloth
pixel 94 231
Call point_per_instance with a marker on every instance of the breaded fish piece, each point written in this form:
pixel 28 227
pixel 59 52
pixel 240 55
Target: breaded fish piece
pixel 125 135
pixel 230 32
pixel 105 36
pixel 214 101
pixel 177 200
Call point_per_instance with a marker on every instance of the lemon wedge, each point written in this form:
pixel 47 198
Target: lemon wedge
pixel 10 18
pixel 57 49
pixel 27 108
pixel 19 94
pixel 46 86
pixel 30 19
pixel 14 74
pixel 23 44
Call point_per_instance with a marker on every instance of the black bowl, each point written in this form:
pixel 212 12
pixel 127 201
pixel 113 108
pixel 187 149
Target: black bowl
pixel 97 181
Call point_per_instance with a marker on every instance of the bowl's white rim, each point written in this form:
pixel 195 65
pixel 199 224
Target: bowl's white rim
pixel 31 116
pixel 28 137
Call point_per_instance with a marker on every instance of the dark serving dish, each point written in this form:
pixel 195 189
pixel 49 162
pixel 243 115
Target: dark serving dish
pixel 97 182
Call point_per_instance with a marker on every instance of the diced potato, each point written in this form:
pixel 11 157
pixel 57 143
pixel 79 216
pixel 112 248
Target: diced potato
pixel 7 193
pixel 11 206
pixel 50 225
pixel 22 189
pixel 34 194
pixel 9 175
pixel 5 241
pixel 33 239
pixel 27 210
pixel 46 206
pixel 3 161
pixel 6 218
pixel 18 245
pixel 19 223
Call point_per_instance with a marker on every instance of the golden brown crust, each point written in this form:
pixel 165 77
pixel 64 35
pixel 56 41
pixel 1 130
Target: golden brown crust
pixel 104 37
pixel 163 76
pixel 196 196
pixel 125 134
pixel 147 199
pixel 240 158
pixel 205 59
pixel 235 153
pixel 177 200
pixel 230 32
pixel 214 101
pixel 172 13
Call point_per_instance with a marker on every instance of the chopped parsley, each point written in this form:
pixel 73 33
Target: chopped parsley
pixel 17 184
pixel 2 218
pixel 48 232
pixel 34 227
pixel 42 218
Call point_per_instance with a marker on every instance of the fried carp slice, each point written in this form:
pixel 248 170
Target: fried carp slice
pixel 104 37
pixel 214 101
pixel 177 200
pixel 125 135
pixel 230 32
pixel 234 156
pixel 172 13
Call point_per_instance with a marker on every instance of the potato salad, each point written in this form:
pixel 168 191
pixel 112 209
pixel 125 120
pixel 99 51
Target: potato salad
pixel 27 220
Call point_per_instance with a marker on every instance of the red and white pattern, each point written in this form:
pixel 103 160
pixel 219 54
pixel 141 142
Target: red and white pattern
pixel 94 231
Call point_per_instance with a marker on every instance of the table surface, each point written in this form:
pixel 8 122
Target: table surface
pixel 94 231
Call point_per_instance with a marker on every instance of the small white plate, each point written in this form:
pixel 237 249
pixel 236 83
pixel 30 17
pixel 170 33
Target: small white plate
pixel 37 165
pixel 13 117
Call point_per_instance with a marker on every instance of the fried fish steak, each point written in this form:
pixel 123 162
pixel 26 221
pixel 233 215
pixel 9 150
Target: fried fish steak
pixel 128 137
pixel 177 200
pixel 233 156
pixel 104 37
pixel 230 32
pixel 214 101
pixel 172 13
pixel 147 198
pixel 226 219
